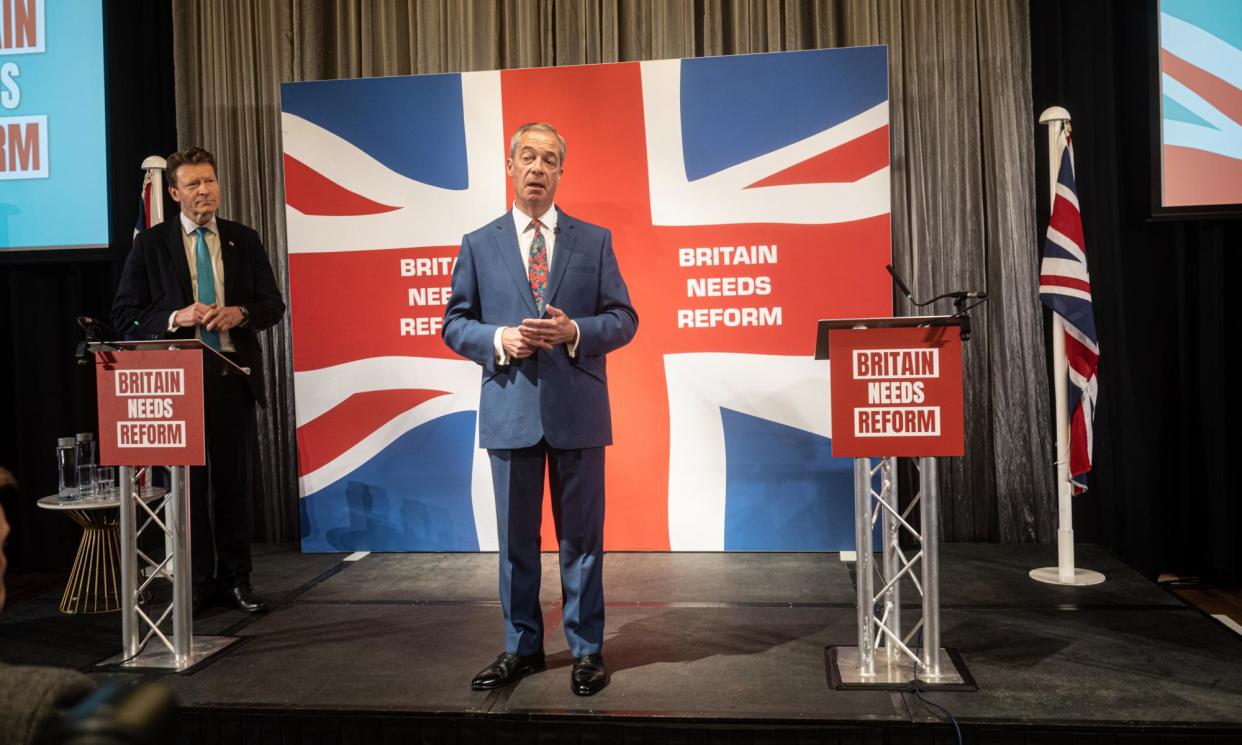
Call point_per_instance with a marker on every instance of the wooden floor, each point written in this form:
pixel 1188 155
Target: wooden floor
pixel 1215 601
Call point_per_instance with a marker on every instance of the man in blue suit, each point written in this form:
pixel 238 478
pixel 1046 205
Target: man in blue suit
pixel 538 301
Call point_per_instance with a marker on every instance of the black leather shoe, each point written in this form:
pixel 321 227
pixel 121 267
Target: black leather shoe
pixel 243 599
pixel 589 676
pixel 506 669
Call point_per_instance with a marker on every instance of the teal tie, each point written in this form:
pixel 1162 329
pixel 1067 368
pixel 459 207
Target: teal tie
pixel 206 286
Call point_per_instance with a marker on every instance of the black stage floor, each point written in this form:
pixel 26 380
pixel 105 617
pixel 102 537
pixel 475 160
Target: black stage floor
pixel 702 648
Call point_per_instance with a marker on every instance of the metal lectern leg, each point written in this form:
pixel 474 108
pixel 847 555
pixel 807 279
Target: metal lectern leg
pixel 891 620
pixel 863 568
pixel 929 514
pixel 141 625
pixel 129 563
pixel 886 655
pixel 178 511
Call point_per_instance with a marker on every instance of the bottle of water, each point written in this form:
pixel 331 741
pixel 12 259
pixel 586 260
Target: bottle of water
pixel 86 464
pixel 66 468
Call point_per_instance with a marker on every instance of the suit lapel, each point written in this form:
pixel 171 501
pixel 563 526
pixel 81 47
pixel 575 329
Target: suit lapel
pixel 228 258
pixel 562 252
pixel 176 252
pixel 506 245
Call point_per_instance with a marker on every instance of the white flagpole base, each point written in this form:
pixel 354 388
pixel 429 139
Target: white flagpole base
pixel 1080 577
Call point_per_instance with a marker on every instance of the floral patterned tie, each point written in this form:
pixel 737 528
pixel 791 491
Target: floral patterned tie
pixel 538 266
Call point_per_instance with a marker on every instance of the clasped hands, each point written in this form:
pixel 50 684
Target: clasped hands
pixel 538 333
pixel 214 317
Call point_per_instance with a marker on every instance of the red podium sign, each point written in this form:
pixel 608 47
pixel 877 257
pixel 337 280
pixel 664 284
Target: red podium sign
pixel 896 392
pixel 150 408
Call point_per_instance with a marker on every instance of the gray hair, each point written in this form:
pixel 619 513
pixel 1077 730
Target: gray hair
pixel 540 126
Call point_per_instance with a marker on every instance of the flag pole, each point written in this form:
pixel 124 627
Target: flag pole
pixel 154 165
pixel 1064 573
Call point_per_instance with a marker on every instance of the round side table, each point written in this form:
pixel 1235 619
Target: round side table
pixel 94 582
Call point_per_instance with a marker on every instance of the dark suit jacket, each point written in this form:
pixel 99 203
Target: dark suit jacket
pixel 156 281
pixel 33 697
pixel 549 394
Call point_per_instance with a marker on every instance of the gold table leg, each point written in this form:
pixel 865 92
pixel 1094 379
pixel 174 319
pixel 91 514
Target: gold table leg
pixel 93 585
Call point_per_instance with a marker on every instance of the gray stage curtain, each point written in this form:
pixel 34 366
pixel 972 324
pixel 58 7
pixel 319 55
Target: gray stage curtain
pixel 963 169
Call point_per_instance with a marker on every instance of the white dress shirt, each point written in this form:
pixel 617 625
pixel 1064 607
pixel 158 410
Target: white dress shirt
pixel 189 239
pixel 526 236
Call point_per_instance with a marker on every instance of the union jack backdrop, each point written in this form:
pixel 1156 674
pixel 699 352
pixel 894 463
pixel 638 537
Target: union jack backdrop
pixel 1065 288
pixel 748 197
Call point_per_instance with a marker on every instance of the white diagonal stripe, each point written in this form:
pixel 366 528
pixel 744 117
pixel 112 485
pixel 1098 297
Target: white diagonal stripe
pixel 1064 241
pixel 723 197
pixel 457 212
pixel 1064 192
pixel 1064 268
pixel 1066 291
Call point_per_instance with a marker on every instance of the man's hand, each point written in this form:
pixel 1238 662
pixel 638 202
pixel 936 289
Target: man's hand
pixel 545 333
pixel 515 346
pixel 193 315
pixel 223 319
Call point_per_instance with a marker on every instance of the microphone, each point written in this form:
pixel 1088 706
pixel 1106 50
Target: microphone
pixel 92 325
pixel 957 296
pixel 556 230
pixel 900 285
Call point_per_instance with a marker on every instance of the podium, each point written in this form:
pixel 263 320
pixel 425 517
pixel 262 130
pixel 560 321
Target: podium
pixel 896 392
pixel 151 416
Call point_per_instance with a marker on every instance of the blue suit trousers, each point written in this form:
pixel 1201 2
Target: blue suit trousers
pixel 577 485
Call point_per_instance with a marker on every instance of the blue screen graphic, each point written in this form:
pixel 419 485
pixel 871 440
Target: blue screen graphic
pixel 53 158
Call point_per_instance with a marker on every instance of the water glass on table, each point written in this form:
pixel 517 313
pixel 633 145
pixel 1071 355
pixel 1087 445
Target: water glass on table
pixel 85 446
pixel 105 482
pixel 66 469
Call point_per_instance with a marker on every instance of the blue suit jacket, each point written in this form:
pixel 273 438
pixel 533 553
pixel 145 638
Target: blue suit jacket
pixel 549 394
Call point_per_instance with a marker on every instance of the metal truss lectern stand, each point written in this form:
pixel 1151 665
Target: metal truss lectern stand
pixel 894 651
pixel 143 622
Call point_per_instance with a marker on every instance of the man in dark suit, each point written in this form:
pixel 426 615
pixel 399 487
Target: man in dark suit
pixel 199 276
pixel 538 301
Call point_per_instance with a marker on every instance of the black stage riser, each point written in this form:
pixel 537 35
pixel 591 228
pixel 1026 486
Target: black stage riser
pixel 205 727
pixel 702 648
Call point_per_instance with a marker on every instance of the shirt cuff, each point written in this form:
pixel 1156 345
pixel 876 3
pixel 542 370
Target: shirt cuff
pixel 172 322
pixel 498 345
pixel 573 348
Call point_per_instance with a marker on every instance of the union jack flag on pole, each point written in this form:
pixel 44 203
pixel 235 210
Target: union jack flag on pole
pixel 144 201
pixel 1065 288
pixel 151 196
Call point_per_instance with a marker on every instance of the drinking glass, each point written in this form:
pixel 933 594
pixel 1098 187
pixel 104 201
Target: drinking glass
pixel 105 482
